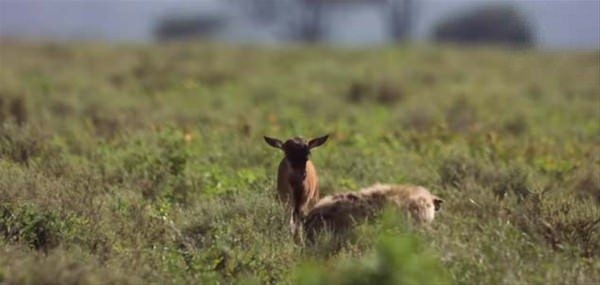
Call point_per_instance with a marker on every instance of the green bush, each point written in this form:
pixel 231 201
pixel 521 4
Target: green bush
pixel 26 224
pixel 397 258
pixel 150 167
pixel 458 170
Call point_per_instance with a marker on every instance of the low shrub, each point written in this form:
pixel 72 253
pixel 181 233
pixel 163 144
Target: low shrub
pixel 41 230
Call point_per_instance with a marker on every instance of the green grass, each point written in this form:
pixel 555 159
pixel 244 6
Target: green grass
pixel 146 164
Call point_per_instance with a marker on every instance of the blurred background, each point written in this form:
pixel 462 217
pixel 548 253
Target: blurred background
pixel 547 24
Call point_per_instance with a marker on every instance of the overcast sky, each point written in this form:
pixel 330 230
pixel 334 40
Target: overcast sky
pixel 559 23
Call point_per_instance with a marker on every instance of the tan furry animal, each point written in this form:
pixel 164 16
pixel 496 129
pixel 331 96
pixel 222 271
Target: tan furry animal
pixel 342 211
pixel 297 180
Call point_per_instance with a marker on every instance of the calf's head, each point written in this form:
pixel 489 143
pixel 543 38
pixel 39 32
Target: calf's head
pixel 297 151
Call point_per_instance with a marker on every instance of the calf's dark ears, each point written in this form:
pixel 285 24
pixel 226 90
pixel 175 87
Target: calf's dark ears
pixel 273 142
pixel 317 141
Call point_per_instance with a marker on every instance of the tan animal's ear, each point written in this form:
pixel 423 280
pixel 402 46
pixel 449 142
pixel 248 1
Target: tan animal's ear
pixel 317 141
pixel 273 142
pixel 437 203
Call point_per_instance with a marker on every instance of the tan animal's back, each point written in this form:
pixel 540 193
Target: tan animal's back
pixel 417 200
pixel 342 211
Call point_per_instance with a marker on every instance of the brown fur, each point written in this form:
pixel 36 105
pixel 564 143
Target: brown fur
pixel 310 186
pixel 342 211
pixel 297 180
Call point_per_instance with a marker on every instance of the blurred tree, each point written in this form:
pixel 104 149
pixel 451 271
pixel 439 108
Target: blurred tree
pixel 178 27
pixel 262 10
pixel 402 18
pixel 311 29
pixel 492 24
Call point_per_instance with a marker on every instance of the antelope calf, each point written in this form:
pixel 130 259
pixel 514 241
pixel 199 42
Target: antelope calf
pixel 341 212
pixel 297 181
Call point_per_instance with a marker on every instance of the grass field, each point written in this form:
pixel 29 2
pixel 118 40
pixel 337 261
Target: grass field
pixel 146 164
